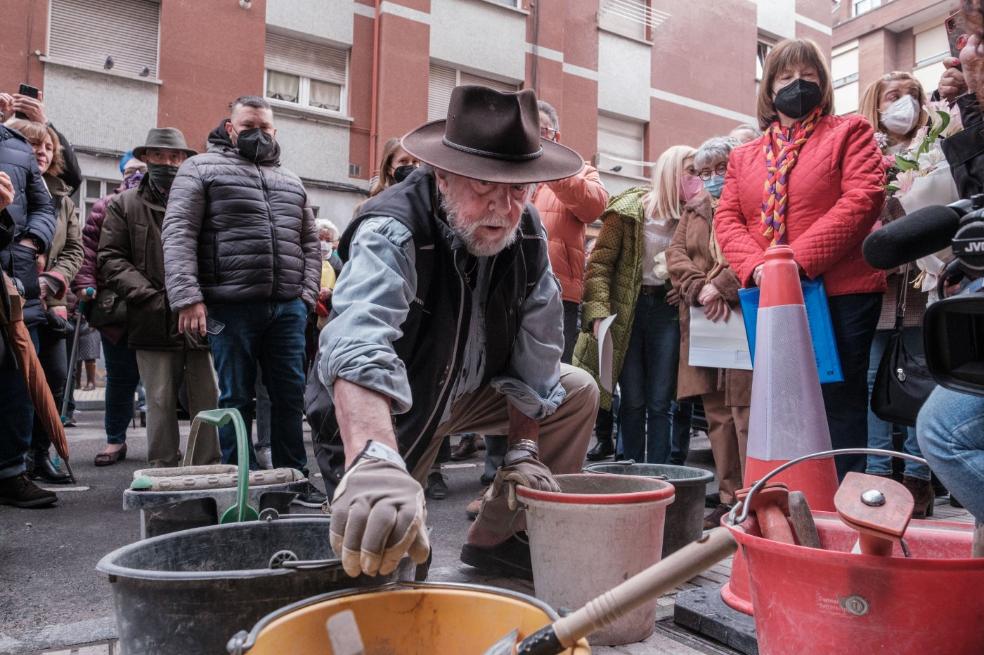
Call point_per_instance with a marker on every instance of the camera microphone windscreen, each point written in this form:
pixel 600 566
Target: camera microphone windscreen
pixel 915 235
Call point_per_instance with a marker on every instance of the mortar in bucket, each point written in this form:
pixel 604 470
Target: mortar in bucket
pixel 410 619
pixel 599 530
pixel 685 517
pixel 830 600
pixel 186 592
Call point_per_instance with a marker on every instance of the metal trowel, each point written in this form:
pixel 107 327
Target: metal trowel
pixel 658 579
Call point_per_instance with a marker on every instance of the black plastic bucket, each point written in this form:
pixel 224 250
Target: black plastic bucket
pixel 685 517
pixel 189 591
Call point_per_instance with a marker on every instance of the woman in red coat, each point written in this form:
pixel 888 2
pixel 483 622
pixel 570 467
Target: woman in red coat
pixel 812 181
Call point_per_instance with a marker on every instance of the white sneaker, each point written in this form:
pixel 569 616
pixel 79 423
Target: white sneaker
pixel 264 458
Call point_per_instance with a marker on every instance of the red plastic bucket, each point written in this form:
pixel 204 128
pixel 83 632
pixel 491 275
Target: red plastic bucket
pixel 828 600
pixel 597 532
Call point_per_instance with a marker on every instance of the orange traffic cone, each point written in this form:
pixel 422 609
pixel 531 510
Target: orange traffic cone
pixel 787 413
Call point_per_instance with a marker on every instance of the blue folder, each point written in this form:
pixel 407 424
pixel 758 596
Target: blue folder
pixel 821 327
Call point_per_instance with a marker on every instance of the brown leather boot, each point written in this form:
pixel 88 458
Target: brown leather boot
pixel 922 495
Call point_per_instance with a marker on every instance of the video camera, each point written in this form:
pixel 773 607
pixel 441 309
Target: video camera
pixel 953 328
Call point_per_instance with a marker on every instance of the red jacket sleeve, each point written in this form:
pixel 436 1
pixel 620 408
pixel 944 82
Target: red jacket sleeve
pixel 583 194
pixel 846 224
pixel 731 226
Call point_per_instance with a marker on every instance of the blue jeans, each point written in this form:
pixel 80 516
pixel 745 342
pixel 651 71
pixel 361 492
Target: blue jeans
pixel 122 378
pixel 648 383
pixel 270 334
pixel 879 431
pixel 951 436
pixel 854 318
pixel 16 416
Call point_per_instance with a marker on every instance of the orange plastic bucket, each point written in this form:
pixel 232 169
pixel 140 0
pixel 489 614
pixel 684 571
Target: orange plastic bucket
pixel 821 601
pixel 408 618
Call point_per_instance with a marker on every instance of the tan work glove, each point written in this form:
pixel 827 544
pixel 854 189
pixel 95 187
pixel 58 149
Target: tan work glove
pixel 529 472
pixel 378 516
pixel 500 509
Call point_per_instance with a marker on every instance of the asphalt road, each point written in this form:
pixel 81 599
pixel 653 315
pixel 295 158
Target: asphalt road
pixel 52 596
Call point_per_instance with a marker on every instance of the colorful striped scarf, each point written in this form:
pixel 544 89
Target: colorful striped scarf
pixel 781 152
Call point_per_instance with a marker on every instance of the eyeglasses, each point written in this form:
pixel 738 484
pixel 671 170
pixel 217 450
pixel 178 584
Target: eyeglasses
pixel 706 173
pixel 547 133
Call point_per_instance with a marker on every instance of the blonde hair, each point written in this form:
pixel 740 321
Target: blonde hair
pixel 663 201
pixel 37 133
pixel 789 53
pixel 872 99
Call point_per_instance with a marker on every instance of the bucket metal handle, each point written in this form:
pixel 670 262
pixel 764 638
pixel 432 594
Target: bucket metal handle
pixel 241 511
pixel 735 519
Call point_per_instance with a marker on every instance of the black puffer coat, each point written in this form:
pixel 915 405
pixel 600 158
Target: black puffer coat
pixel 33 215
pixel 235 231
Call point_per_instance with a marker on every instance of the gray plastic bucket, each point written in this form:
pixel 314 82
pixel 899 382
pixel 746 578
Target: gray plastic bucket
pixel 189 591
pixel 685 517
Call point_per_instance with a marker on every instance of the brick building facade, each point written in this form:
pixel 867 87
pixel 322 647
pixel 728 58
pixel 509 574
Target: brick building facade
pixel 628 77
pixel 874 37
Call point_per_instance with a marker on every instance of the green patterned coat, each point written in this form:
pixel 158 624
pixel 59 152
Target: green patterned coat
pixel 612 283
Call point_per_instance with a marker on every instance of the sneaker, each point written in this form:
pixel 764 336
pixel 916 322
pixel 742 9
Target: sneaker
pixel 510 559
pixel 437 486
pixel 264 457
pixel 310 497
pixel 21 492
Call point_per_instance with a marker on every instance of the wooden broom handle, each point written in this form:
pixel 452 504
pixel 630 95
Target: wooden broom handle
pixel 659 578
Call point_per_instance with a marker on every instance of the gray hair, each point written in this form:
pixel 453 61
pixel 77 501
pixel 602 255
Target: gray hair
pixel 548 109
pixel 714 148
pixel 746 127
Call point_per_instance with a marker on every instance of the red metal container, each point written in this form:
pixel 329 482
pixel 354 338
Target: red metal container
pixel 821 601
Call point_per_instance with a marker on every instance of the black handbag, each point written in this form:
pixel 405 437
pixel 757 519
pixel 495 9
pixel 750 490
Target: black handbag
pixel 903 382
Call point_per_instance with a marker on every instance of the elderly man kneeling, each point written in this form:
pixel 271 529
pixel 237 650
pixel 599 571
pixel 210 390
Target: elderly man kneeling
pixel 448 319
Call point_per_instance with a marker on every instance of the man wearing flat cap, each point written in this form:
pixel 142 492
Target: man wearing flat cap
pixel 448 319
pixel 131 261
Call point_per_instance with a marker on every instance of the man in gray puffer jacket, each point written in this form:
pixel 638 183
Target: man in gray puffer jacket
pixel 242 262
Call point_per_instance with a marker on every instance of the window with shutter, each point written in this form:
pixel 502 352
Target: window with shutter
pixel 305 73
pixel 117 35
pixel 633 18
pixel 621 145
pixel 444 78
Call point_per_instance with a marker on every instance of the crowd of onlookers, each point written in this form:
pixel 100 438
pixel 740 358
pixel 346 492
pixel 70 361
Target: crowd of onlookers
pixel 207 278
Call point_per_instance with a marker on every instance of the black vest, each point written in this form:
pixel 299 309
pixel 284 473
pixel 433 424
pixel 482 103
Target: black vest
pixel 436 328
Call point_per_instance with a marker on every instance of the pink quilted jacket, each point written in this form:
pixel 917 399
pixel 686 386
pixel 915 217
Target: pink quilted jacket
pixel 835 196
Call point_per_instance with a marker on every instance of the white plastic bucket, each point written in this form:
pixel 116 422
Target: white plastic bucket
pixel 597 532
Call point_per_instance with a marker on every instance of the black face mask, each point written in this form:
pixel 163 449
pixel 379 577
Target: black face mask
pixel 162 176
pixel 798 98
pixel 401 173
pixel 257 146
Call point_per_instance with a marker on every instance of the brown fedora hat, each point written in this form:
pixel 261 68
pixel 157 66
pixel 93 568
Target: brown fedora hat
pixel 165 138
pixel 492 136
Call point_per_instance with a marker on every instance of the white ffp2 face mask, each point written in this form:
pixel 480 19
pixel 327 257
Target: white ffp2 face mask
pixel 901 115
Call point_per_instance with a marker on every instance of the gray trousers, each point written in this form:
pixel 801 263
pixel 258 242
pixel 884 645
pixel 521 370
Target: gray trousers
pixel 162 373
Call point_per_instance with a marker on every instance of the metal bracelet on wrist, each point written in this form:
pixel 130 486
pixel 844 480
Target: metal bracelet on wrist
pixel 521 450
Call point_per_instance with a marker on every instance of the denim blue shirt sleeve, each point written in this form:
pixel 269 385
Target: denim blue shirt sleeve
pixel 370 302
pixel 532 382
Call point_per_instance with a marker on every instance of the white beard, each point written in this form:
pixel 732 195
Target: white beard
pixel 476 245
